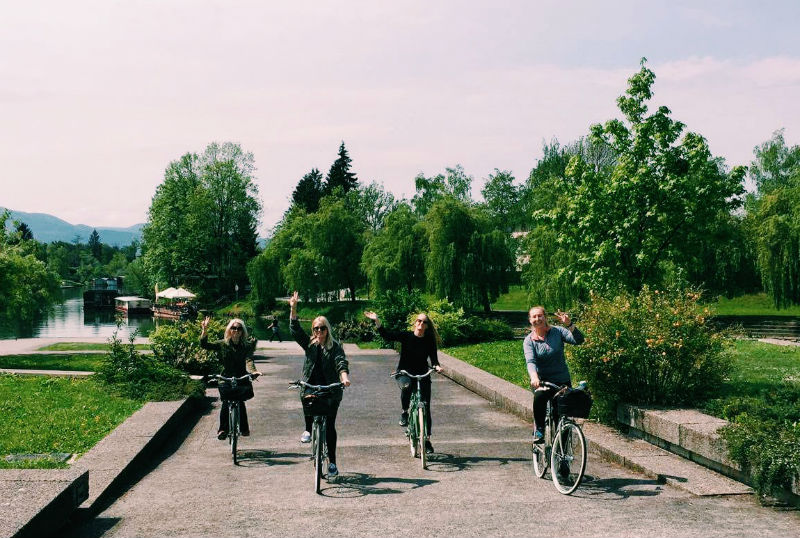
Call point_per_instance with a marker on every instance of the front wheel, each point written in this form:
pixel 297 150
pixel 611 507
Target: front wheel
pixel 233 431
pixel 423 435
pixel 316 447
pixel 568 459
pixel 541 454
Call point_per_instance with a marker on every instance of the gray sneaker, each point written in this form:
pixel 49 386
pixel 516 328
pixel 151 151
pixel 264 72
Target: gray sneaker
pixel 404 419
pixel 305 438
pixel 332 470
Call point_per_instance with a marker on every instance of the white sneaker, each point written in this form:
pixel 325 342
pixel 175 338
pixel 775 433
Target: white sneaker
pixel 306 437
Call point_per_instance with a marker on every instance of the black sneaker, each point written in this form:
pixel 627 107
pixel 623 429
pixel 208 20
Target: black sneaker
pixel 428 447
pixel 404 419
pixel 563 469
pixel 538 437
pixel 222 435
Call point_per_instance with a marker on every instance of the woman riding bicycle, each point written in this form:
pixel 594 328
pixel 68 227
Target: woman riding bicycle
pixel 416 347
pixel 236 355
pixel 544 358
pixel 325 364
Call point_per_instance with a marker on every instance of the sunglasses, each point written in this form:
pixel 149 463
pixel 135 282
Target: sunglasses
pixel 420 321
pixel 237 328
pixel 321 328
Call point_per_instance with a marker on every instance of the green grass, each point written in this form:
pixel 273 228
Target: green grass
pixel 368 345
pixel 515 299
pixel 47 414
pixel 84 346
pixel 87 362
pixel 503 359
pixel 758 367
pixel 751 305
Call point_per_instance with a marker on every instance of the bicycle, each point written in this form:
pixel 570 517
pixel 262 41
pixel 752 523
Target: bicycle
pixel 563 447
pixel 417 430
pixel 231 386
pixel 319 445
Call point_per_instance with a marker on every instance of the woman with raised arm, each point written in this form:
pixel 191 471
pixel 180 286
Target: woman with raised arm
pixel 235 352
pixel 416 348
pixel 325 364
pixel 545 361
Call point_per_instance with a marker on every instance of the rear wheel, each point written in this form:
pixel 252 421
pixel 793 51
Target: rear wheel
pixel 568 460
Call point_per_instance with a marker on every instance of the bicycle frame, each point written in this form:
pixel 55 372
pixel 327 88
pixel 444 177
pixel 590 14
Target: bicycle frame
pixel 319 445
pixel 417 430
pixel 234 425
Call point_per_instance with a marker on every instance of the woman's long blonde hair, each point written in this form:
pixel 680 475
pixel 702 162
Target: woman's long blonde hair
pixel 228 331
pixel 314 340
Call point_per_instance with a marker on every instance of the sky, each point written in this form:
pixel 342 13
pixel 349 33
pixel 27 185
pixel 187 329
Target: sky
pixel 98 97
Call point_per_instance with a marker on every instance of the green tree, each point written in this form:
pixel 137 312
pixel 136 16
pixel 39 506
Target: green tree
pixel 775 164
pixel 371 203
pixel 309 191
pixel 456 184
pixel 468 262
pixel 393 258
pixel 340 174
pixel 503 200
pixel 628 225
pixel 94 244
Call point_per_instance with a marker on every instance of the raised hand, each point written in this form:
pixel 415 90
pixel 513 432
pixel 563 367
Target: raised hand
pixel 564 318
pixel 371 315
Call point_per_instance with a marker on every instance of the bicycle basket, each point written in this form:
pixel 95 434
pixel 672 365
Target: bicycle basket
pixel 318 405
pixel 574 403
pixel 242 392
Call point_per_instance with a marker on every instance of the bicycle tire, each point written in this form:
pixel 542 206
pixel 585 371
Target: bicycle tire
pixel 233 430
pixel 541 452
pixel 423 435
pixel 412 430
pixel 316 446
pixel 568 459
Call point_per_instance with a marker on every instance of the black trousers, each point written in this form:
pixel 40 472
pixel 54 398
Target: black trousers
pixel 540 398
pixel 407 387
pixel 330 433
pixel 223 417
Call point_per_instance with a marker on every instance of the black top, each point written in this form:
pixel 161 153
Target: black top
pixel 414 351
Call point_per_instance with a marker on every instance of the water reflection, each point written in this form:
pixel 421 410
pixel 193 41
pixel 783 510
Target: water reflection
pixel 68 319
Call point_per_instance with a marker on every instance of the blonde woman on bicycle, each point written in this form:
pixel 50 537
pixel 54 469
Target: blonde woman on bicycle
pixel 416 348
pixel 325 364
pixel 545 361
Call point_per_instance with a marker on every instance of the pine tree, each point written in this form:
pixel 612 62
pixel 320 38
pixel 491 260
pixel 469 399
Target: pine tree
pixel 308 192
pixel 340 174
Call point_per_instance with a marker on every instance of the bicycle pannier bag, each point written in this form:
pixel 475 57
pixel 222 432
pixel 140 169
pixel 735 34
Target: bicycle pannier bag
pixel 318 405
pixel 242 392
pixel 575 403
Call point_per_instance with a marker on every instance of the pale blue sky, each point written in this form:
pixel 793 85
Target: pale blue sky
pixel 97 97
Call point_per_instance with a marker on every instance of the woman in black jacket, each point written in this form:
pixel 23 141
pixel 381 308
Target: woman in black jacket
pixel 325 364
pixel 416 348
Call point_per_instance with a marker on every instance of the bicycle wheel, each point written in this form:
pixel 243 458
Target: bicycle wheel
pixel 541 453
pixel 233 429
pixel 423 435
pixel 412 431
pixel 568 459
pixel 316 447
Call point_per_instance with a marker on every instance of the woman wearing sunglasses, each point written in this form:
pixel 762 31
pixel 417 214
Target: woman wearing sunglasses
pixel 325 364
pixel 416 347
pixel 236 355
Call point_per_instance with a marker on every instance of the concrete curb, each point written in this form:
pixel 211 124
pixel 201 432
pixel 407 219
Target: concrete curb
pixel 604 441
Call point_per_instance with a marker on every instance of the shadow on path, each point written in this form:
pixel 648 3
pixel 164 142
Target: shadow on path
pixel 258 457
pixel 448 463
pixel 361 484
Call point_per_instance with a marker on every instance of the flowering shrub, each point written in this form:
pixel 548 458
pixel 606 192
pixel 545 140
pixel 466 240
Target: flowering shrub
pixel 654 348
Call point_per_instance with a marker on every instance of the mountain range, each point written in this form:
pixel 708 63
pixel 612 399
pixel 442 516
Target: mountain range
pixel 48 229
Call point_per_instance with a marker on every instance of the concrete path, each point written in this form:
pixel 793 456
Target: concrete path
pixel 479 483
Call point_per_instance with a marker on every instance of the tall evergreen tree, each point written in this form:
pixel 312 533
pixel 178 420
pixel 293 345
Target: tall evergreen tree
pixel 94 244
pixel 340 174
pixel 309 191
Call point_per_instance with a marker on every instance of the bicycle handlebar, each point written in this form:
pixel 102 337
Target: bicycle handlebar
pixel 316 388
pixel 218 377
pixel 403 372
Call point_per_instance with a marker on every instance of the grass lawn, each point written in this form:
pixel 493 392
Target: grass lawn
pixel 87 362
pixel 503 359
pixel 751 305
pixel 515 299
pixel 44 415
pixel 84 346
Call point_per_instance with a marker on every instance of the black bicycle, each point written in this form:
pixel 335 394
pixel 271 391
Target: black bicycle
pixel 319 446
pixel 417 430
pixel 564 445
pixel 229 386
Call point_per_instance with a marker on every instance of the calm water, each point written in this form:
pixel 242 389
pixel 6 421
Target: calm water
pixel 68 319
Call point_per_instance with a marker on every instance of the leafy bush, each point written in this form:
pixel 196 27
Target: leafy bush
pixel 393 308
pixel 178 345
pixel 144 377
pixel 764 436
pixel 656 347
pixel 457 328
pixel 353 330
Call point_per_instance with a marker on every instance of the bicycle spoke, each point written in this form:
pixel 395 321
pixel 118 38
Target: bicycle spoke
pixel 568 459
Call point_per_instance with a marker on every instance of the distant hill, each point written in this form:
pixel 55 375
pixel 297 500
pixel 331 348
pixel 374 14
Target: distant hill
pixel 48 229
